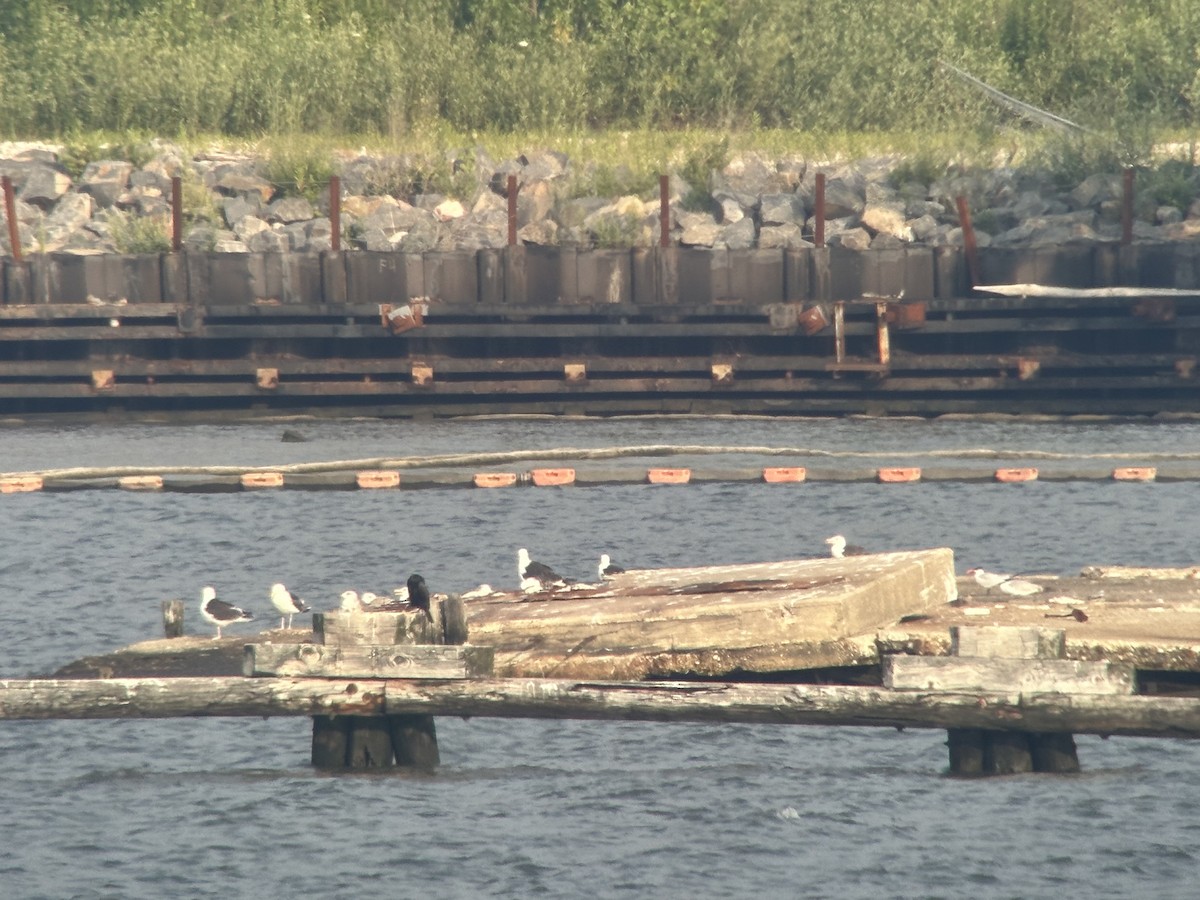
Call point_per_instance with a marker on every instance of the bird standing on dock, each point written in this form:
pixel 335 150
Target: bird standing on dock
pixel 607 569
pixel 838 548
pixel 350 602
pixel 529 571
pixel 1019 587
pixel 418 594
pixel 287 603
pixel 218 612
pixel 987 580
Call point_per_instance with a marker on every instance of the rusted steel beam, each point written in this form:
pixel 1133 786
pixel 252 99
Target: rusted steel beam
pixel 335 213
pixel 1127 206
pixel 176 214
pixel 10 213
pixel 512 210
pixel 819 212
pixel 664 211
pixel 969 243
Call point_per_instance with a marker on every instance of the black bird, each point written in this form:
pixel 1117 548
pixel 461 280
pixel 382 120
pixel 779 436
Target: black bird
pixel 418 594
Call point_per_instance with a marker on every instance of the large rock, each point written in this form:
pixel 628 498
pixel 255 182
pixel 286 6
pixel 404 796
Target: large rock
pixel 71 212
pixel 105 180
pixel 851 239
pixel 1096 188
pixel 290 209
pixel 781 209
pixel 843 198
pixel 880 218
pixel 44 186
pixel 772 237
pixel 740 235
pixel 239 183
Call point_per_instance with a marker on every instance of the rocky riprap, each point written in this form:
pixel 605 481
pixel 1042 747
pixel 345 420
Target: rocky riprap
pixel 755 202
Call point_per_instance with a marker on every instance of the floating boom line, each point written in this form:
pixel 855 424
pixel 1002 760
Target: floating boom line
pixel 458 460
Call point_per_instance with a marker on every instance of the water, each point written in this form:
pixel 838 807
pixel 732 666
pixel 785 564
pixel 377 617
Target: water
pixel 230 808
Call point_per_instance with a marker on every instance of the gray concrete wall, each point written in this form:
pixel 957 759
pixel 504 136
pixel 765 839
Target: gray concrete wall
pixel 547 276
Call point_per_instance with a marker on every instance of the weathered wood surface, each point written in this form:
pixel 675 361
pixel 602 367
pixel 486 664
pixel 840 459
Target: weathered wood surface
pixel 339 629
pixel 999 642
pixel 368 661
pixel 567 699
pixel 712 620
pixel 1043 676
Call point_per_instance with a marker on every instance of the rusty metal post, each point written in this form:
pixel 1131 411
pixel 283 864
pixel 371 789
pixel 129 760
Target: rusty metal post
pixel 335 213
pixel 819 212
pixel 176 214
pixel 1127 207
pixel 968 230
pixel 664 211
pixel 10 212
pixel 512 210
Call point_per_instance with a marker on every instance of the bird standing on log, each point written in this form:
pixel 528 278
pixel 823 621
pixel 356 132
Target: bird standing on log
pixel 287 603
pixel 839 549
pixel 418 594
pixel 218 612
pixel 535 575
pixel 607 569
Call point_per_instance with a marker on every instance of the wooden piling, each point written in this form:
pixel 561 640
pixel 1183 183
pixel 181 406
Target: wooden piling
pixel 966 748
pixel 335 213
pixel 1008 658
pixel 330 739
pixel 379 643
pixel 172 613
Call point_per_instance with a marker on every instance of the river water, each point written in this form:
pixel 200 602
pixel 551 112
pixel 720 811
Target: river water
pixel 230 807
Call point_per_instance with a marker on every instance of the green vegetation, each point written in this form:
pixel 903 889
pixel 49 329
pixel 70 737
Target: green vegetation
pixel 395 70
pixel 138 234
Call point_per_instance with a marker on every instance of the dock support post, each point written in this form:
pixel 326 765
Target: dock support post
pixel 414 740
pixel 330 739
pixel 976 751
pixel 966 750
pixel 172 613
pixel 387 740
pixel 1054 753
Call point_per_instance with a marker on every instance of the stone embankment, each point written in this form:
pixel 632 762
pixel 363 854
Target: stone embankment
pixel 230 206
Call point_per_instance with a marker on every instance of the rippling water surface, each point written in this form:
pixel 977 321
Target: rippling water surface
pixel 230 808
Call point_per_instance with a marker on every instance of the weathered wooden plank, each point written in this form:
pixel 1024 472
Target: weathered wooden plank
pixel 339 629
pixel 1007 642
pixel 957 673
pixel 368 661
pixel 1177 717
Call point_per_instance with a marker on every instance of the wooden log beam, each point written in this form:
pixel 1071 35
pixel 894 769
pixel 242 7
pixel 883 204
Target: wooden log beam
pixel 368 661
pixel 1176 717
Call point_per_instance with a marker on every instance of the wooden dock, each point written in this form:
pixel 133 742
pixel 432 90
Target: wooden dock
pixel 890 639
pixel 768 332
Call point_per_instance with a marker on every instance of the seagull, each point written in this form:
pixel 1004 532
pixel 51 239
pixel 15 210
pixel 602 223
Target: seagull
pixel 418 594
pixel 1019 587
pixel 218 612
pixel 350 602
pixel 368 597
pixel 838 548
pixel 401 594
pixel 529 570
pixel 484 590
pixel 607 569
pixel 987 580
pixel 287 603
